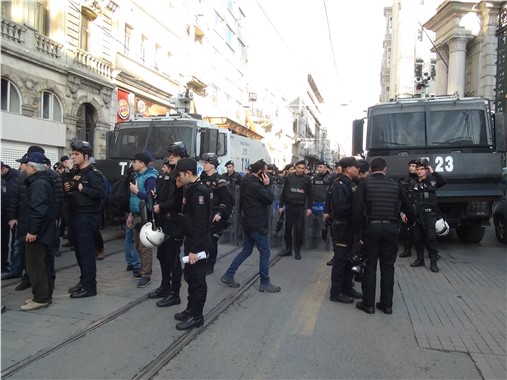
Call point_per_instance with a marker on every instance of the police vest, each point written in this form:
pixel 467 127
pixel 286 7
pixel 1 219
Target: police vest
pixel 382 198
pixel 296 189
pixel 424 193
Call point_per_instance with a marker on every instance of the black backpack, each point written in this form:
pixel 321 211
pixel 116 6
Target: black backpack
pixel 119 196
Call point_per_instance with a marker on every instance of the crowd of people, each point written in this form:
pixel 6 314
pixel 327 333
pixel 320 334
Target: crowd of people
pixel 177 208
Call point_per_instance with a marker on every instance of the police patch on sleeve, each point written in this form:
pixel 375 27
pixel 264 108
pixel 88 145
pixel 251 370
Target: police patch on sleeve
pixel 201 200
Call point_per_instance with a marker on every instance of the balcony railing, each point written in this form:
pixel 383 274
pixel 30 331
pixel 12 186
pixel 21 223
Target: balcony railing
pixel 97 65
pixel 48 46
pixel 13 32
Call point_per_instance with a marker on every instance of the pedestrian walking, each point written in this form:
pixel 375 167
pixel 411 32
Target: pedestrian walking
pixel 376 216
pixel 256 196
pixel 196 226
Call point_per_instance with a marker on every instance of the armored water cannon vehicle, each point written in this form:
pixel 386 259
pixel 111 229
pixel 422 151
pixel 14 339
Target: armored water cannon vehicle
pixel 155 134
pixel 461 138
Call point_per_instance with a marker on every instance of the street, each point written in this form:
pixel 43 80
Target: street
pixel 450 324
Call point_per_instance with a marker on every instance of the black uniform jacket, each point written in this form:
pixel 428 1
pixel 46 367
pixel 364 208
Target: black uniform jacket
pixel 255 199
pixel 197 217
pixel 88 200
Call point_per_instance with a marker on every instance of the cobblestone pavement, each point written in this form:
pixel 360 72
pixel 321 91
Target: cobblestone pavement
pixel 462 308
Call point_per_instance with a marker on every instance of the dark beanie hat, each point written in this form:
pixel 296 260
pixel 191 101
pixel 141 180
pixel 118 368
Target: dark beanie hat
pixel 145 157
pixel 300 162
pixel 363 165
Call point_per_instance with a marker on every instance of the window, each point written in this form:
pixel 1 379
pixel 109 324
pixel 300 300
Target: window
pixel 6 9
pixel 228 36
pixel 87 17
pixel 11 100
pixel 42 18
pixel 156 57
pixel 418 70
pixel 51 107
pixel 144 43
pixel 128 39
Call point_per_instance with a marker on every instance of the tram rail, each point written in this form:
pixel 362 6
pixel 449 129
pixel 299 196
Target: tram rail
pixel 151 369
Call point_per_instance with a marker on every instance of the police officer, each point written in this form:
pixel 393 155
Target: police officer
pixel 338 209
pixel 86 190
pixel 425 199
pixel 221 203
pixel 406 229
pixel 376 215
pixel 231 176
pixel 296 200
pixel 196 226
pixel 322 175
pixel 167 207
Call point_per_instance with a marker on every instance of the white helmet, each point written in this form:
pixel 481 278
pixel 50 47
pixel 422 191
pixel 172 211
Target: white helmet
pixel 150 237
pixel 441 227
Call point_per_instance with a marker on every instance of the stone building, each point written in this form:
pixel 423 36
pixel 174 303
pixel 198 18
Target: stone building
pixel 453 41
pixel 73 69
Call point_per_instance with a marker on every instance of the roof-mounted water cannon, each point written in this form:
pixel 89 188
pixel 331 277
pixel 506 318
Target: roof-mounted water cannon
pixel 182 101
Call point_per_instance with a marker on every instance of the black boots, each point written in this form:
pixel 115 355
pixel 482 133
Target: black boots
pixel 418 263
pixel 405 253
pixel 297 253
pixel 434 266
pixel 287 252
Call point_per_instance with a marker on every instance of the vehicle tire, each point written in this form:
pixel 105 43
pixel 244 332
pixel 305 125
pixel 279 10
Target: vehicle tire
pixel 470 234
pixel 501 229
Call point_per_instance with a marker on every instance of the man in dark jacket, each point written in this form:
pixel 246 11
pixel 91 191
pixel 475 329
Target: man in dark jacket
pixel 221 205
pixel 9 176
pixel 41 230
pixel 167 207
pixel 296 200
pixel 255 195
pixel 196 227
pixel 18 220
pixel 231 176
pixel 87 191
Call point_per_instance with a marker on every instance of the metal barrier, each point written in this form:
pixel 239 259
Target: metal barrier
pixel 313 224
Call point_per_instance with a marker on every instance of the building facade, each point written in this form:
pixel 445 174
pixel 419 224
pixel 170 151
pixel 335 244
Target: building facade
pixel 440 48
pixel 73 69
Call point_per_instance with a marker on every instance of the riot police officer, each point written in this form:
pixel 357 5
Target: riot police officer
pixel 87 190
pixel 339 203
pixel 376 217
pixel 406 229
pixel 221 203
pixel 166 208
pixel 196 226
pixel 231 176
pixel 296 200
pixel 425 199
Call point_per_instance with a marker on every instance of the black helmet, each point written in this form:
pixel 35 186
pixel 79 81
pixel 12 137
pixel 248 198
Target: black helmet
pixel 178 149
pixel 81 146
pixel 422 161
pixel 212 158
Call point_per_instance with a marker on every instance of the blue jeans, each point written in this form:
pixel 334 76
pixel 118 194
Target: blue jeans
pixel 261 241
pixel 131 254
